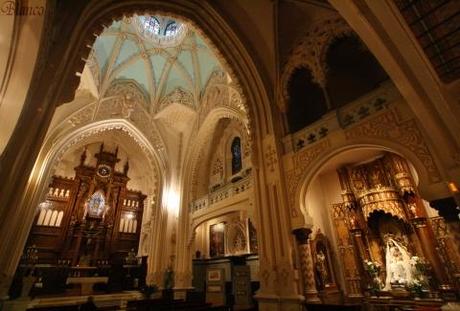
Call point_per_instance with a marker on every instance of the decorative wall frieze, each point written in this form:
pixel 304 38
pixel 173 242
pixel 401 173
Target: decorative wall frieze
pixel 179 96
pixel 271 158
pixel 127 102
pixel 82 116
pixel 130 90
pixel 406 133
pixel 302 161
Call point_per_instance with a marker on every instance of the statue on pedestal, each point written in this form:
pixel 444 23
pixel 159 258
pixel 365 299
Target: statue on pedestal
pixel 169 278
pixel 398 265
pixel 321 267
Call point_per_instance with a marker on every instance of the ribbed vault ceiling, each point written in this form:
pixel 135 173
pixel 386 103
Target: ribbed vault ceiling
pixel 123 52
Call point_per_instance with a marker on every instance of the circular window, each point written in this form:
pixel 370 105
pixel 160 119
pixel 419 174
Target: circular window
pixel 161 30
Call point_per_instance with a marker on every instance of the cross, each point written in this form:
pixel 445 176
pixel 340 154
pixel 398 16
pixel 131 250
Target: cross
pixel 270 155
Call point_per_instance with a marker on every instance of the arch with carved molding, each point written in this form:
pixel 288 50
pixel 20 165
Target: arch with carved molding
pixel 197 221
pixel 56 147
pixel 219 92
pixel 125 101
pixel 193 165
pixel 324 152
pixel 128 89
pixel 310 52
pixel 203 135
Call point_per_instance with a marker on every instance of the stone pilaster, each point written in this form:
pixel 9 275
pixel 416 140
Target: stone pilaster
pixel 306 264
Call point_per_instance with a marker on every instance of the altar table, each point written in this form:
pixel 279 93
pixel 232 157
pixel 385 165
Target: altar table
pixel 87 283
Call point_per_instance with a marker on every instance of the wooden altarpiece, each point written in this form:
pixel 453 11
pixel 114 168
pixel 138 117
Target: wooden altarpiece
pixel 94 218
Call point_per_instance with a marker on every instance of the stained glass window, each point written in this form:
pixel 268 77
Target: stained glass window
pixel 96 204
pixel 161 30
pixel 151 25
pixel 236 155
pixel 171 29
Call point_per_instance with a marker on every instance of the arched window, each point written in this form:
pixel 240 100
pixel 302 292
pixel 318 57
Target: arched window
pixel 53 219
pixel 352 71
pixel 96 204
pixel 122 225
pixel 59 219
pixel 47 220
pixel 151 25
pixel 161 30
pixel 170 29
pixel 41 217
pixel 236 155
pixel 307 103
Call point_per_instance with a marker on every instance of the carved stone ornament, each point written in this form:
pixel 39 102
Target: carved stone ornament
pixel 129 90
pixel 179 96
pixel 302 161
pixel 406 133
pixel 382 126
pixel 78 139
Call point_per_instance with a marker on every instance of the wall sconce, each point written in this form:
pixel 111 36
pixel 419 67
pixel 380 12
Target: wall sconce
pixel 452 187
pixel 172 202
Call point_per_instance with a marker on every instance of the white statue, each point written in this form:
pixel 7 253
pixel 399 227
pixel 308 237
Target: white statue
pixel 399 270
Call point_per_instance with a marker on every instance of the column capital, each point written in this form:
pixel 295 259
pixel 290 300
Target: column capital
pixel 302 235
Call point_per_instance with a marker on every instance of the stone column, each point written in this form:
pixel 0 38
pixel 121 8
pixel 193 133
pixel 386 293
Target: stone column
pixel 306 264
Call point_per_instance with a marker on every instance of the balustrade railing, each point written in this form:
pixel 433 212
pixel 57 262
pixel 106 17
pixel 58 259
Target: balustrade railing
pixel 348 115
pixel 221 194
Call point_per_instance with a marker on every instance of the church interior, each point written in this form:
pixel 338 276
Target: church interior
pixel 230 155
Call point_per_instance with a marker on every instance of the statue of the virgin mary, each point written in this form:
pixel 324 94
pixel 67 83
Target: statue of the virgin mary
pixel 399 272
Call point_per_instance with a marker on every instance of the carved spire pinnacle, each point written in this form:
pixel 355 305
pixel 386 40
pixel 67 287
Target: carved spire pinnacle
pixel 126 167
pixel 83 156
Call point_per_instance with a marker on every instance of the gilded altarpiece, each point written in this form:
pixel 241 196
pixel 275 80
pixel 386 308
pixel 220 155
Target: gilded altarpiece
pixel 347 252
pixel 383 230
